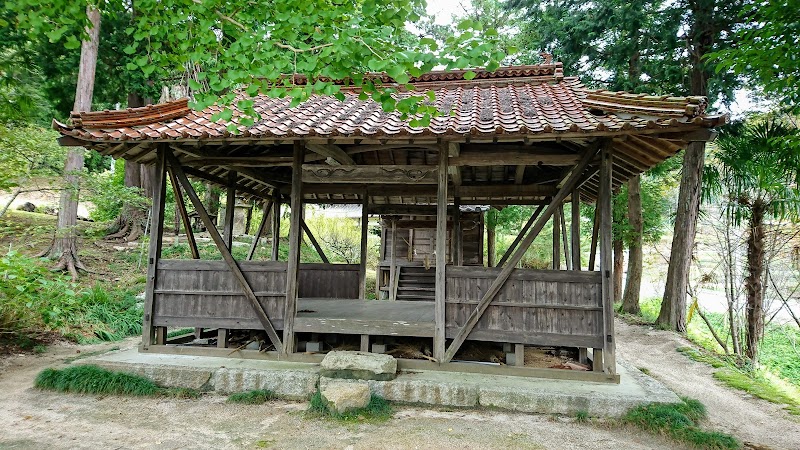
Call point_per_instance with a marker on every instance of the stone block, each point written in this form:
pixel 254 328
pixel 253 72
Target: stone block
pixel 378 348
pixel 511 359
pixel 358 366
pixel 342 396
pixel 313 346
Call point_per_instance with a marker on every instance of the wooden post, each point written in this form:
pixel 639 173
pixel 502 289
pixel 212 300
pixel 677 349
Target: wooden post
pixel 362 267
pixel 576 230
pixel 226 254
pixel 154 254
pixel 606 264
pixel 521 235
pixel 458 234
pixel 502 277
pixel 230 207
pixel 261 227
pixel 556 241
pixel 593 244
pixel 181 207
pixel 393 263
pixel 441 260
pixel 314 242
pixel 564 243
pixel 292 270
pixel 276 227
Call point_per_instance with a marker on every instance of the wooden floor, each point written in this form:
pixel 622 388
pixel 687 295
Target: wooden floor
pixel 376 317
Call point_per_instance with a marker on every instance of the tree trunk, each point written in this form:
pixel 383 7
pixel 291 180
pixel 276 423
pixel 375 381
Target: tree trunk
pixel 633 284
pixel 700 40
pixel 65 244
pixel 212 202
pixel 673 306
pixel 754 281
pixel 619 261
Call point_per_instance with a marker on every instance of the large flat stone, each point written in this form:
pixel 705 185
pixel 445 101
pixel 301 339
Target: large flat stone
pixel 359 366
pixel 342 397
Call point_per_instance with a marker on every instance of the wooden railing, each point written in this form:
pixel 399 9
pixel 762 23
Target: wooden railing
pixel 542 307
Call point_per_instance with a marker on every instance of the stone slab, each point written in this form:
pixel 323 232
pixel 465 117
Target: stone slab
pixel 341 396
pixel 299 381
pixel 359 366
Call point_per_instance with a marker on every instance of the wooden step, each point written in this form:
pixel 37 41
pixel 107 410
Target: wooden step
pixel 414 298
pixel 415 288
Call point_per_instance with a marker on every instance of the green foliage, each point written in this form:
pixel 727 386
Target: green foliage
pixel 90 379
pixel 34 298
pixel 27 151
pixel 655 194
pixel 255 397
pixel 108 193
pixel 582 416
pixel 766 50
pixel 681 422
pixel 377 410
pixel 225 48
pixel 753 167
pixel 757 385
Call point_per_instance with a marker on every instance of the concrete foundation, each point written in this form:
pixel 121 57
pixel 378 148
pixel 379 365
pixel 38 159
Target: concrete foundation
pixel 454 389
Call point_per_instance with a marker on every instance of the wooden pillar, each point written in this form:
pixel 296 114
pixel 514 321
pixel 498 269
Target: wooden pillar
pixel 393 263
pixel 606 264
pixel 230 208
pixel 276 227
pixel 441 260
pixel 576 230
pixel 556 241
pixel 564 236
pixel 362 267
pixel 458 234
pixel 293 268
pixel 154 254
pixel 180 206
pixel 593 243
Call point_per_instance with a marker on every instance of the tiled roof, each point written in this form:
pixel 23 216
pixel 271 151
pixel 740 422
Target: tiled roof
pixel 521 100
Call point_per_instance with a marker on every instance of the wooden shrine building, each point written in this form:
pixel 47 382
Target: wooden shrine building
pixel 523 135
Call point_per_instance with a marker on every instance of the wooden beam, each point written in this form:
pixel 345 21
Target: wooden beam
pixel 501 158
pixel 276 227
pixel 521 234
pixel 454 150
pixel 362 267
pixel 222 182
pixel 556 240
pixel 519 174
pixel 230 209
pixel 499 282
pixel 440 294
pixel 261 227
pixel 564 243
pixel 593 244
pixel 393 264
pixel 332 151
pixel 498 191
pixel 373 174
pixel 458 234
pixel 575 224
pixel 187 224
pixel 154 254
pixel 292 271
pixel 606 264
pixel 226 254
pixel 314 242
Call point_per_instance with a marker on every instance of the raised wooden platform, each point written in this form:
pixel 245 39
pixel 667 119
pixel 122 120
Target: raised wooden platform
pixel 375 317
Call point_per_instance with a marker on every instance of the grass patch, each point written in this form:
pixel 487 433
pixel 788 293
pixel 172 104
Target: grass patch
pixel 582 416
pixel 680 421
pixel 378 410
pixel 255 397
pixel 96 380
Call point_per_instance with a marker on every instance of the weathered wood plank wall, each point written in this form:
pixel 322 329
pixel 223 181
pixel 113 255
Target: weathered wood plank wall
pixel 541 307
pixel 201 293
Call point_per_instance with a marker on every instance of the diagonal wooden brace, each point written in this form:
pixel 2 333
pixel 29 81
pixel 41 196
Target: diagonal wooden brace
pixel 502 277
pixel 261 227
pixel 226 254
pixel 521 234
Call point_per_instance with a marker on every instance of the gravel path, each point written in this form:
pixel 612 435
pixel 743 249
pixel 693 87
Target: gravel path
pixel 33 420
pixel 756 422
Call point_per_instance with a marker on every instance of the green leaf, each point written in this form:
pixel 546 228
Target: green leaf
pixel 468 75
pixel 72 43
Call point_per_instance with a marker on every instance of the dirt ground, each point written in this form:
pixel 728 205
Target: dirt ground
pixel 754 421
pixel 33 419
